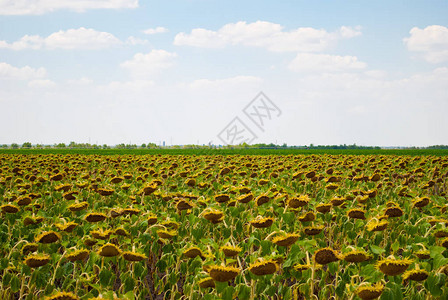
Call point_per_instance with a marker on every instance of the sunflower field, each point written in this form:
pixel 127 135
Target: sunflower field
pixel 223 227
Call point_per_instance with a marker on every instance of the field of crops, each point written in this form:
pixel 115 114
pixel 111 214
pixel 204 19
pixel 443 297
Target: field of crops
pixel 223 227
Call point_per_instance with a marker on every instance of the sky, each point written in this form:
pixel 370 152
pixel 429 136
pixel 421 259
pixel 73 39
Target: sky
pixel 224 72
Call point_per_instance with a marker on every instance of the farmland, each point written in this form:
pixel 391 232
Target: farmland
pixel 223 224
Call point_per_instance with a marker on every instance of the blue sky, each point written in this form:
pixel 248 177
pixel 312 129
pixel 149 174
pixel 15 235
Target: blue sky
pixel 112 71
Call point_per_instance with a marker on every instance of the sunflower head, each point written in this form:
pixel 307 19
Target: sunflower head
pixel 37 260
pixel 223 274
pixel 367 291
pixel 77 255
pixel 286 240
pixel 392 266
pixel 109 250
pixel 377 225
pixel 356 256
pixel 63 296
pixel 265 267
pixel 262 222
pixel 133 256
pixel 325 256
pixel 48 237
pixel 192 252
pixel 415 275
pixel 231 251
pixel 206 282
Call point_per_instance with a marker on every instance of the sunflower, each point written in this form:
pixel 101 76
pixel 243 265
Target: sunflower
pixel 77 255
pixel 423 254
pixel 221 198
pixel 78 206
pixel 116 179
pixel 67 227
pixel 37 260
pixel 337 201
pixel 32 220
pixel 9 208
pixel 192 252
pixel 262 222
pixel 95 217
pixel 100 234
pixel 48 237
pixel 22 201
pixel 393 212
pixel 332 186
pixel 263 267
pixel 375 225
pixel 356 213
pixel 207 282
pixel 325 256
pixel 356 256
pixel 133 256
pixel 213 215
pixel 323 208
pixel 262 199
pixel 392 266
pixel 63 296
pixel 415 275
pixel 105 191
pixel 230 251
pixel 313 230
pixel 286 240
pixel 362 198
pixel 443 233
pixel 367 291
pixel 245 198
pixel 307 217
pixel 184 204
pixel 300 267
pixel 444 242
pixel 29 248
pixel 223 274
pixel 109 250
pixel 300 201
pixel 421 202
pixel 121 231
pixel 166 234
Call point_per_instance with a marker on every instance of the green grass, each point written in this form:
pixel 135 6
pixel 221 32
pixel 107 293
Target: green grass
pixel 435 152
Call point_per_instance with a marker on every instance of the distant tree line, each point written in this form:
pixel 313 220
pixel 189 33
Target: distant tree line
pixel 73 145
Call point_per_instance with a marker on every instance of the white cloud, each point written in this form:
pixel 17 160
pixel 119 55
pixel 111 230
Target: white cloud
pixel 431 43
pixel 144 65
pixel 81 38
pixel 155 30
pixel 310 62
pixel 41 83
pixel 266 35
pixel 38 7
pixel 225 83
pixel 132 40
pixel 25 73
pixel 81 81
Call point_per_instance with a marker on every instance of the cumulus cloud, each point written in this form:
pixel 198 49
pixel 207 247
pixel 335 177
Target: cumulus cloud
pixel 431 43
pixel 156 30
pixel 266 35
pixel 146 65
pixel 311 62
pixel 41 83
pixel 224 83
pixel 25 73
pixel 38 7
pixel 81 38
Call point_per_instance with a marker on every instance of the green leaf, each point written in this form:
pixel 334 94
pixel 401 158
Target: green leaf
pixel 439 260
pixel 227 294
pixel 395 246
pixel 377 250
pixel 434 250
pixel 220 286
pixel 15 284
pixel 243 291
pixel 104 277
pixel 129 284
pixel 432 284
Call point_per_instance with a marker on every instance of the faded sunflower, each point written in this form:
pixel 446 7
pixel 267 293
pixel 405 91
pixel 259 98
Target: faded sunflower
pixel 207 282
pixel 263 267
pixel 375 225
pixel 29 247
pixel 48 237
pixel 192 252
pixel 213 215
pixel 323 208
pixel 367 291
pixel 262 222
pixel 37 260
pixel 133 256
pixel 77 255
pixel 223 274
pixel 325 256
pixel 356 256
pixel 392 266
pixel 286 240
pixel 416 275
pixel 95 217
pixel 166 234
pixel 230 251
pixel 300 267
pixel 78 206
pixel 63 296
pixel 423 254
pixel 300 201
pixel 109 250
pixel 356 213
pixel 313 230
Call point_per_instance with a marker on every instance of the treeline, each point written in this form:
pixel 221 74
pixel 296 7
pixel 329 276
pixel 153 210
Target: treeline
pixel 73 145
